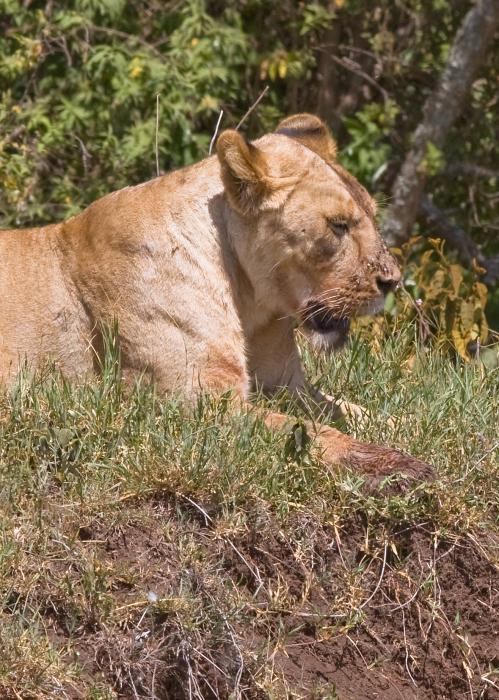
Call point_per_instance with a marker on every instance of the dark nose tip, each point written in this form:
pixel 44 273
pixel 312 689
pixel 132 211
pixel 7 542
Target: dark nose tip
pixel 388 282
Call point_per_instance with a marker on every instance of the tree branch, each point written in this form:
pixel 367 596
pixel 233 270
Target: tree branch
pixel 492 267
pixel 440 111
pixel 440 226
pixel 355 68
pixel 472 169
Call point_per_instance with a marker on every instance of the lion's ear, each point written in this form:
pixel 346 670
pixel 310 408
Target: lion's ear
pixel 244 171
pixel 311 132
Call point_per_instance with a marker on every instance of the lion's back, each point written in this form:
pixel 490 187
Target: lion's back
pixel 40 316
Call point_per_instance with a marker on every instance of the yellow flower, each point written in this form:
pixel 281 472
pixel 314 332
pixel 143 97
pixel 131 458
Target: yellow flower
pixel 208 102
pixel 16 109
pixel 264 68
pixel 194 42
pixel 36 49
pixel 135 71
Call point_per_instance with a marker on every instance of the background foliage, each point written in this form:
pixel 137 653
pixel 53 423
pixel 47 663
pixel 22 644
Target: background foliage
pixel 79 79
pixel 130 526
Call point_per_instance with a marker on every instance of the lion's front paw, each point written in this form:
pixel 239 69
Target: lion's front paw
pixel 345 412
pixel 378 464
pixel 341 411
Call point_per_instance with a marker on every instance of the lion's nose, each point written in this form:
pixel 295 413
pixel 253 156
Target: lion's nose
pixel 387 282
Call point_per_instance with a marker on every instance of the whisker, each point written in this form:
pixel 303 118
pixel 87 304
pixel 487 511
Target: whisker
pixel 279 262
pixel 330 311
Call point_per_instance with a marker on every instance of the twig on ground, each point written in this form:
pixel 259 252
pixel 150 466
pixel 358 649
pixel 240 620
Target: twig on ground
pixel 236 692
pixel 355 644
pixel 379 580
pixel 253 569
pixel 406 649
pixel 207 518
pixel 135 694
pixel 153 682
pixel 338 545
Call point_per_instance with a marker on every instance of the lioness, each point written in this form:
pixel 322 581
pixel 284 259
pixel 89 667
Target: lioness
pixel 207 270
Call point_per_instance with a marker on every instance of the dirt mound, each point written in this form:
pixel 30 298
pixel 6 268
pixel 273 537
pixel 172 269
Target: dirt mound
pixel 400 646
pixel 307 611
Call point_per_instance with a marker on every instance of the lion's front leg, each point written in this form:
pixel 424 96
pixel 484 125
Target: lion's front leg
pixel 374 463
pixel 378 462
pixel 273 358
pixel 275 364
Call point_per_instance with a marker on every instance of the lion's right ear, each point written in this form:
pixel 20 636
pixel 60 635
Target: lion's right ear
pixel 244 171
pixel 310 131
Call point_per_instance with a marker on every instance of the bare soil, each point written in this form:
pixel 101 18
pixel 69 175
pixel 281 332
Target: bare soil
pixel 322 612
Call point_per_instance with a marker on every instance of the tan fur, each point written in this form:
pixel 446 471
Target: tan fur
pixel 206 270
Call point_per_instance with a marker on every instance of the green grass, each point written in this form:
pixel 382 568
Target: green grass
pixel 90 469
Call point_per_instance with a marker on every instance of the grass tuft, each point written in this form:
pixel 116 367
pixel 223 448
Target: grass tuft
pixel 149 550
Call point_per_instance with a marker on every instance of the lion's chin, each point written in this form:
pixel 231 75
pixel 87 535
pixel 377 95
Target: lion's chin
pixel 324 331
pixel 329 341
pixel 372 307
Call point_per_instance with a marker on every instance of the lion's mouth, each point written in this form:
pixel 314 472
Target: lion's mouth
pixel 320 319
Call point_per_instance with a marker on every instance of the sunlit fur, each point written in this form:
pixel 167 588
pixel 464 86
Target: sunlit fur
pixel 288 251
pixel 204 274
pixel 206 270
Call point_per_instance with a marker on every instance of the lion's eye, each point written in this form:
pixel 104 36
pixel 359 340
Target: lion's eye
pixel 339 227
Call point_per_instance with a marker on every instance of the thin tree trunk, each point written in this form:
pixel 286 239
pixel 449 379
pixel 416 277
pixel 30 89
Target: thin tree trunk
pixel 440 111
pixel 327 75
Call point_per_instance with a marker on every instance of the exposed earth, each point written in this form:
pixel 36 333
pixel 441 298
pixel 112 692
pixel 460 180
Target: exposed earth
pixel 282 618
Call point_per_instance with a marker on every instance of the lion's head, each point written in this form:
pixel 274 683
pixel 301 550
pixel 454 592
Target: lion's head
pixel 304 229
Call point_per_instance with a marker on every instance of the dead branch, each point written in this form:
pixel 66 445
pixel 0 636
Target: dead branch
pixel 439 225
pixel 215 133
pixel 492 267
pixel 356 68
pixel 253 106
pixel 471 169
pixel 110 31
pixel 157 135
pixel 440 111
